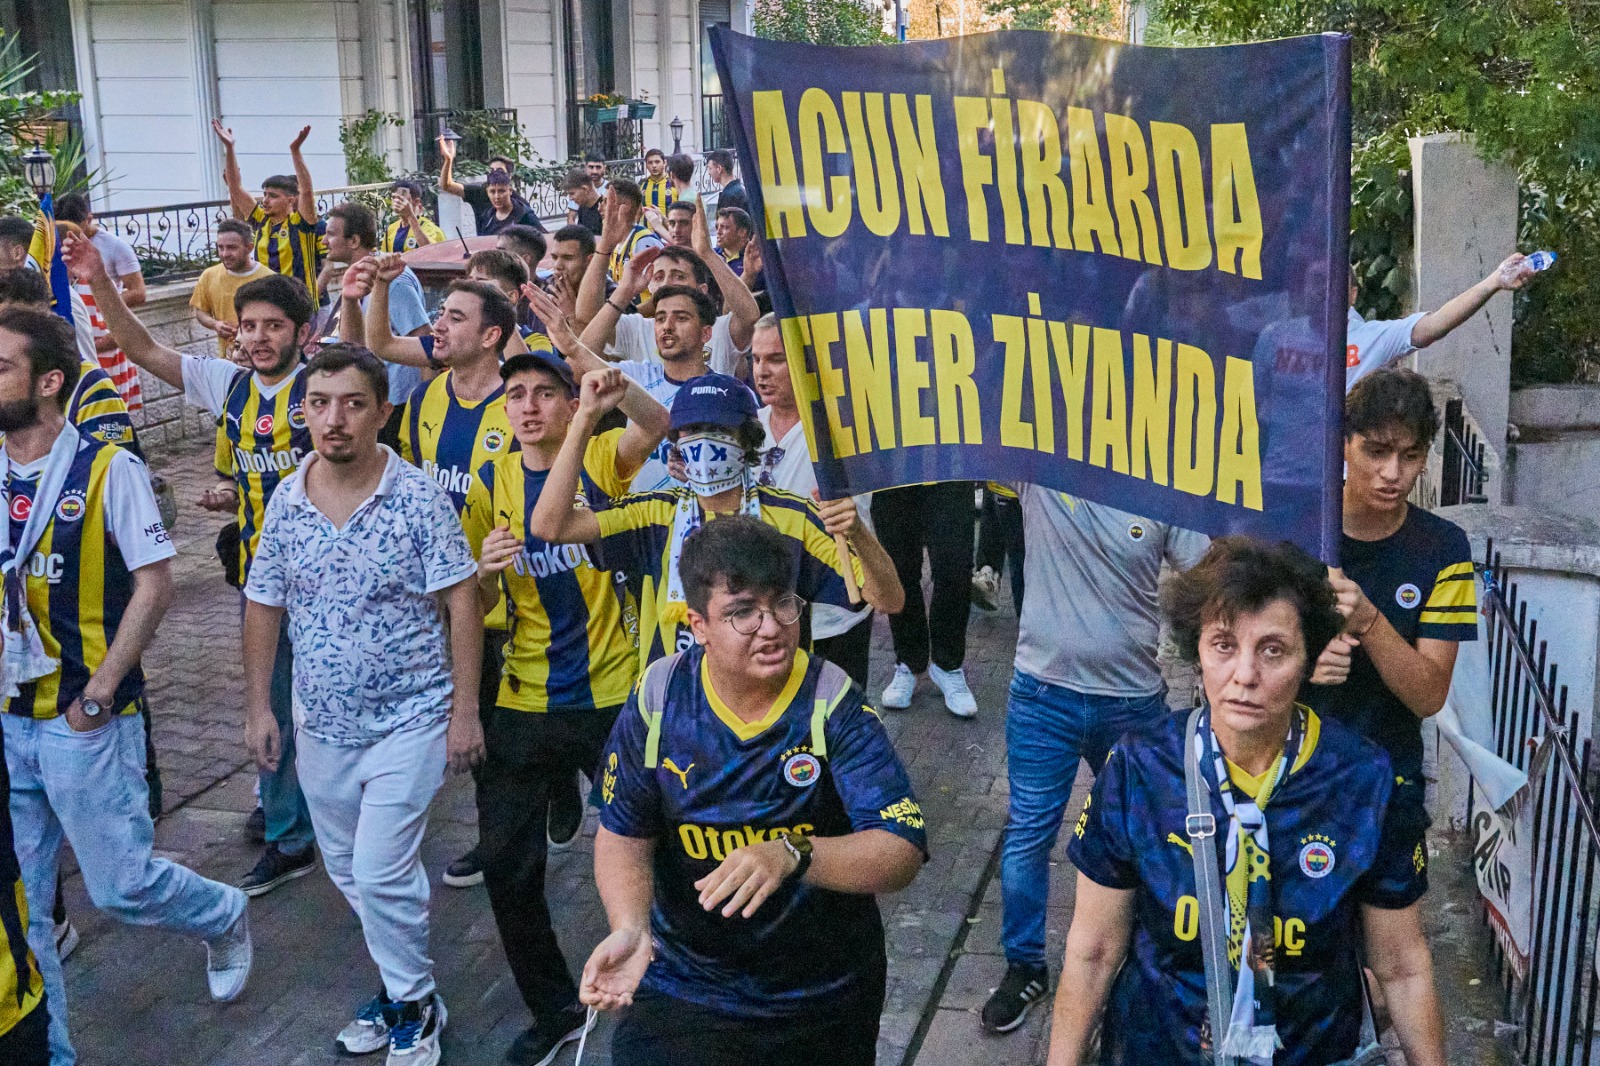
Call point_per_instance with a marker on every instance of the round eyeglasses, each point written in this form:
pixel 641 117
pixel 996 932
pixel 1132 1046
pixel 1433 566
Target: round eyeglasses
pixel 746 620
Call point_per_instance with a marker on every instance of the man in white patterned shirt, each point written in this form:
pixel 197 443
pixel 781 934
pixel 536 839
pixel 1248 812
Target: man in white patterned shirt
pixel 364 553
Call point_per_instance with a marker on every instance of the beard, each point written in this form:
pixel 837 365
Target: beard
pixel 19 414
pixel 287 357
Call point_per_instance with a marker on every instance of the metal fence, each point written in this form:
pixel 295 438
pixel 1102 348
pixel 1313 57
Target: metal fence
pixel 618 139
pixel 177 242
pixel 1462 476
pixel 1554 1003
pixel 472 127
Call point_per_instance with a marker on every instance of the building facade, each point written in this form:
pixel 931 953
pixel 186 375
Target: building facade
pixel 154 73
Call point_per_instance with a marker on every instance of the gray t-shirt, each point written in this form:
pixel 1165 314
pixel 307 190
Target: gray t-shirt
pixel 1091 619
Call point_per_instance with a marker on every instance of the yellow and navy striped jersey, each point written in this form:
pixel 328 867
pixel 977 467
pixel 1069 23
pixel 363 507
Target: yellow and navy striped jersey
pixel 636 538
pixel 735 260
pixel 399 238
pixel 639 238
pixel 21 986
pixel 293 246
pixel 1420 578
pixel 657 192
pixel 98 411
pixel 450 439
pixel 268 437
pixel 77 578
pixel 534 339
pixel 569 649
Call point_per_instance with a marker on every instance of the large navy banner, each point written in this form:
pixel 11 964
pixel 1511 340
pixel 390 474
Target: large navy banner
pixel 1118 271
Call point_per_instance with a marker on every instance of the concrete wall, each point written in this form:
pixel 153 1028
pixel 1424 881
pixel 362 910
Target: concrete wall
pixel 1466 223
pixel 534 80
pixel 166 419
pixel 1555 460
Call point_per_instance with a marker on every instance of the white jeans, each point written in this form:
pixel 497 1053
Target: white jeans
pixel 369 806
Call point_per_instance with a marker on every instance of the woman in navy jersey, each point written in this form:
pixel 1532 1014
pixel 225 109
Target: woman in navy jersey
pixel 1313 880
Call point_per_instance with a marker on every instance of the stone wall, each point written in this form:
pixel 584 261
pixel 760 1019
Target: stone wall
pixel 166 422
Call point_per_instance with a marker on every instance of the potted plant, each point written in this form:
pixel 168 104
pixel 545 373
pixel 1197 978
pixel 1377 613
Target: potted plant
pixel 604 108
pixel 640 106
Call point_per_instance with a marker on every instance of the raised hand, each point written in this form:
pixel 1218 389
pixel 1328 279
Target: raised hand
pixel 636 275
pixel 839 517
pixel 224 134
pixel 618 224
pixel 358 279
pixel 388 266
pixel 602 390
pixel 82 258
pixel 294 145
pixel 557 323
pixel 447 149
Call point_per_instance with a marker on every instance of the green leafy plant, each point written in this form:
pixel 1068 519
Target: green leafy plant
pixel 29 117
pixel 1522 77
pixel 833 22
pixel 364 162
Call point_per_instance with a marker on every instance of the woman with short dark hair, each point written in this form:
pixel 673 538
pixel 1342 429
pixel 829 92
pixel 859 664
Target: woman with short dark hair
pixel 1309 883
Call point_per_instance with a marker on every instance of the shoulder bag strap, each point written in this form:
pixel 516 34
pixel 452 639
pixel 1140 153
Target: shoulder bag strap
pixel 1201 828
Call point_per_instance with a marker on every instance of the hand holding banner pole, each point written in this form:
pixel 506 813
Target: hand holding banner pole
pixel 838 520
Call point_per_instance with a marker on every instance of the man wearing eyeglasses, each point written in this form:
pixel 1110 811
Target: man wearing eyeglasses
pixel 751 808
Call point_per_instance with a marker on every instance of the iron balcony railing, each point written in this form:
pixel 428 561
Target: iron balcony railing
pixel 178 241
pixel 714 130
pixel 468 124
pixel 1553 1002
pixel 1462 473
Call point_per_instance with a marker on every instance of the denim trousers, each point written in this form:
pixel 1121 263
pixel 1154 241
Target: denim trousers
pixel 89 787
pixel 288 821
pixel 1048 729
pixel 370 806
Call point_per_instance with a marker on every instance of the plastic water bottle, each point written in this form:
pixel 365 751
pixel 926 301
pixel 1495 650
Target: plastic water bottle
pixel 1539 261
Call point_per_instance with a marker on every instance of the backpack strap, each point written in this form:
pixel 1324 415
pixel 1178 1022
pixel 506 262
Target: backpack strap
pixel 1201 827
pixel 652 699
pixel 832 686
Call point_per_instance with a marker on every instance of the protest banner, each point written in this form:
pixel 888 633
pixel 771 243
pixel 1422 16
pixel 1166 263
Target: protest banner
pixel 1114 270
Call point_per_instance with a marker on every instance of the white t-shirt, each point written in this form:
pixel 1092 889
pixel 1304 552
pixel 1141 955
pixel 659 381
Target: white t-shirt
pixel 119 255
pixel 1374 345
pixel 652 378
pixel 636 341
pixel 206 382
pixel 786 464
pixel 133 521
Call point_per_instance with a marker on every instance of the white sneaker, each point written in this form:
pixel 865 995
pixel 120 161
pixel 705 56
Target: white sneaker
pixel 228 959
pixel 66 939
pixel 414 1040
pixel 986 589
pixel 958 698
pixel 901 687
pixel 368 1031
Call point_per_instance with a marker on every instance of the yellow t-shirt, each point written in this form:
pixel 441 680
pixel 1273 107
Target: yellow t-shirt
pixel 213 294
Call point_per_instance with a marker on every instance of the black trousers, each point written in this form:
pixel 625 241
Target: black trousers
pixel 936 519
pixel 1000 538
pixel 27 1043
pixel 528 755
pixel 661 1031
pixel 851 650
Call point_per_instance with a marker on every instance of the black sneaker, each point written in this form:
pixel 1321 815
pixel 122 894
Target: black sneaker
pixel 275 868
pixel 566 813
pixel 255 826
pixel 1008 1005
pixel 465 871
pixel 539 1043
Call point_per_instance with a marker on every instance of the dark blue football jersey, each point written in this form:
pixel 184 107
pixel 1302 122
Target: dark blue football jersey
pixel 1329 824
pixel 721 784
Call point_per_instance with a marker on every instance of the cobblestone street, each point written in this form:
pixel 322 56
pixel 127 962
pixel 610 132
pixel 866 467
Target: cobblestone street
pixel 138 997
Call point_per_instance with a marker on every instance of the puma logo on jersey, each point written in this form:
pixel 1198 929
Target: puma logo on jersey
pixel 682 775
pixel 1174 838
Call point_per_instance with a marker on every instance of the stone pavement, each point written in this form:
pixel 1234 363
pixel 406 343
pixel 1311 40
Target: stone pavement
pixel 138 997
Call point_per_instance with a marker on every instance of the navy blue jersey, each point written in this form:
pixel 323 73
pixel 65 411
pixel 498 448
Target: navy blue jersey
pixel 1330 825
pixel 721 784
pixel 1420 577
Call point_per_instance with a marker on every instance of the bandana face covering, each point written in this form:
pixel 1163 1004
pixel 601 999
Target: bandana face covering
pixel 714 462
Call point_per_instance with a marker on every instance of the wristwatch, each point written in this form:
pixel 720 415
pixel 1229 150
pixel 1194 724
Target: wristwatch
pixel 91 708
pixel 799 846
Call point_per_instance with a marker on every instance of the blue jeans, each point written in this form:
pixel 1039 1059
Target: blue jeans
pixel 90 787
pixel 1048 729
pixel 288 820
